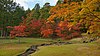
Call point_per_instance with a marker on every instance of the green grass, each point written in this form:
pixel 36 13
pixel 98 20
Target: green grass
pixel 80 49
pixel 12 47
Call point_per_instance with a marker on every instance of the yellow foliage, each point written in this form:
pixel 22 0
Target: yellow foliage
pixel 84 13
pixel 63 11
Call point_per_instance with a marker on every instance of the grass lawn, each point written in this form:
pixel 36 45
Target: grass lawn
pixel 87 49
pixel 12 47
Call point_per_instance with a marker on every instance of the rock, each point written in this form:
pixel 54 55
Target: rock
pixel 85 41
pixel 34 47
pixel 54 42
pixel 27 50
pixel 42 45
pixel 91 40
pixel 23 54
pixel 46 44
pixel 30 50
pixel 61 43
pixel 68 43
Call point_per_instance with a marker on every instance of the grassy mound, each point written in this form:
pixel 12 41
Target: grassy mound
pixel 89 49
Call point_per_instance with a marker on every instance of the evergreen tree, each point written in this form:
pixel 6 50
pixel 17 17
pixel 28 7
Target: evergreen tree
pixel 11 14
pixel 45 11
pixel 36 11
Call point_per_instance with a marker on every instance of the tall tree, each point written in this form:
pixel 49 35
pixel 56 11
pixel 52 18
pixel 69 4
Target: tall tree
pixel 36 11
pixel 45 11
pixel 10 15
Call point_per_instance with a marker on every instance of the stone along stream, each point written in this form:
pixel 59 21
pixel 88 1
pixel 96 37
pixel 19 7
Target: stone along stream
pixel 34 48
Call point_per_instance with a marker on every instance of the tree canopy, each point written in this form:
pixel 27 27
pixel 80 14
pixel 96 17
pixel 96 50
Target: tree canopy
pixel 67 19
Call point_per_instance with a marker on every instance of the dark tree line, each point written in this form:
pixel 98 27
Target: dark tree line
pixel 10 15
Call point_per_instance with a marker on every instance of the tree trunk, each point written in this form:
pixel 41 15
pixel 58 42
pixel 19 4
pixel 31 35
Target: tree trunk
pixel 1 33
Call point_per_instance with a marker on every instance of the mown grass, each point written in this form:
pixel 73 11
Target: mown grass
pixel 13 47
pixel 83 49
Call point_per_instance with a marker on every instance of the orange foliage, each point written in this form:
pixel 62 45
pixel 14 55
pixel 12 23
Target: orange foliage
pixel 63 11
pixel 47 32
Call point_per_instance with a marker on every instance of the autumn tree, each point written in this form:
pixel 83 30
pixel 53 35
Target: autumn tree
pixel 47 29
pixel 34 27
pixel 90 14
pixel 67 20
pixel 19 31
